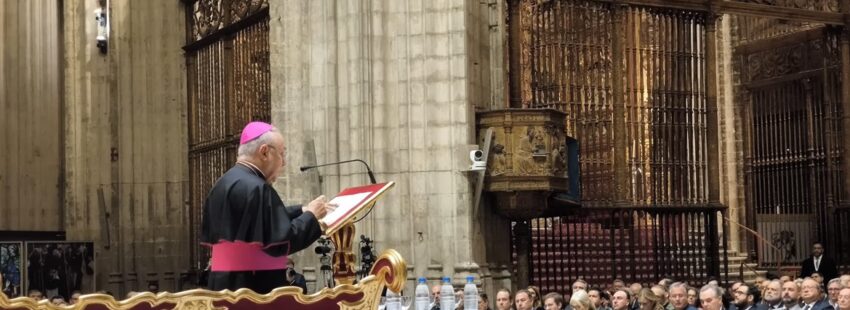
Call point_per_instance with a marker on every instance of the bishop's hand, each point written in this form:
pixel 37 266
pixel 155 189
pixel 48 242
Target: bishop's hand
pixel 320 207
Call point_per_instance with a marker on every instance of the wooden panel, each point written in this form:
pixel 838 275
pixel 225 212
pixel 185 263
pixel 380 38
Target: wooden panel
pixel 30 122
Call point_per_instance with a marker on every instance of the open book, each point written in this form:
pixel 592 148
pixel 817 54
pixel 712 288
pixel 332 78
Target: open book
pixel 351 203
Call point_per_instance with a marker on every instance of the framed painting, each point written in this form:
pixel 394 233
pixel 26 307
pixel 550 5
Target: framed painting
pixel 12 268
pixel 60 268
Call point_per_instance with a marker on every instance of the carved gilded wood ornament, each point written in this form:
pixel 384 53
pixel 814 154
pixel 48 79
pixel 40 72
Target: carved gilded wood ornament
pixel 390 270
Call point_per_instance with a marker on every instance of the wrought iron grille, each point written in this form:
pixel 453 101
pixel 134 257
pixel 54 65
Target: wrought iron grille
pixel 791 88
pixel 633 244
pixel 227 59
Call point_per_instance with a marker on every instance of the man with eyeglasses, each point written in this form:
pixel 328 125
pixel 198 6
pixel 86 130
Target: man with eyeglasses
pixel 812 296
pixel 747 297
pixel 245 222
pixel 844 299
pixel 832 289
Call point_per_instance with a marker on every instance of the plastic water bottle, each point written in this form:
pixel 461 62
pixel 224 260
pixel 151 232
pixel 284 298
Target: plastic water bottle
pixel 470 294
pixel 447 295
pixel 393 301
pixel 423 295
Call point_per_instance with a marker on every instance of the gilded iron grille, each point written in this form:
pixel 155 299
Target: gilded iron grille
pixel 563 58
pixel 565 64
pixel 665 106
pixel 564 55
pixel 227 58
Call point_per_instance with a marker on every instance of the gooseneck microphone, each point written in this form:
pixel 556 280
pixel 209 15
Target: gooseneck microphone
pixel 368 170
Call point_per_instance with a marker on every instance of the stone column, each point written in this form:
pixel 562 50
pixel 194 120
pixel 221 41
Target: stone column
pixel 389 82
pixel 730 135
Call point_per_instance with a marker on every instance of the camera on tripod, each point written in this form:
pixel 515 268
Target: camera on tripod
pixel 366 253
pixel 367 256
pixel 324 247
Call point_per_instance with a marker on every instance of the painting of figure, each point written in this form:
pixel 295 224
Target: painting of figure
pixel 60 268
pixel 11 267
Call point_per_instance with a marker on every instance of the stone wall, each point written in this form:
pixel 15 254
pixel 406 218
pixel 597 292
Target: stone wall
pixel 126 142
pixel 394 83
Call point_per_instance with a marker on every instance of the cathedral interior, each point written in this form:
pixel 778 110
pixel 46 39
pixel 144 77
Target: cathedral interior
pixel 621 139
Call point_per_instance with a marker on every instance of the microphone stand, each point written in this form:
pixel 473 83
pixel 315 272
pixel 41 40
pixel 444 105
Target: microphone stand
pixel 343 257
pixel 368 170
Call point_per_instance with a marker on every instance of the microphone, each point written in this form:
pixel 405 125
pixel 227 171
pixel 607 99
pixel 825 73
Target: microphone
pixel 368 170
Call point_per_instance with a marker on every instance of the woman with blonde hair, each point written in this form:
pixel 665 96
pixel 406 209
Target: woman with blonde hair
pixel 648 300
pixel 536 302
pixel 581 301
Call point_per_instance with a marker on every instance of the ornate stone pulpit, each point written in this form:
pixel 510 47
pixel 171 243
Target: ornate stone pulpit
pixel 530 162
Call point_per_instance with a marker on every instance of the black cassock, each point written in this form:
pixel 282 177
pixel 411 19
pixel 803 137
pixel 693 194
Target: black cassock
pixel 242 209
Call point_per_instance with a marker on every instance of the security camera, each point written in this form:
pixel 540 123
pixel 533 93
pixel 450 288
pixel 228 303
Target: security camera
pixel 478 162
pixel 476 155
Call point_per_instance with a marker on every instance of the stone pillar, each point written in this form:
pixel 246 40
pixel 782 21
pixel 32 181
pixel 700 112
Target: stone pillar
pixel 126 142
pixel 730 136
pixel 393 83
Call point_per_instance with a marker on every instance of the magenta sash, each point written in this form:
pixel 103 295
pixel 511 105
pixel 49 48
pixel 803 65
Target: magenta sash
pixel 243 256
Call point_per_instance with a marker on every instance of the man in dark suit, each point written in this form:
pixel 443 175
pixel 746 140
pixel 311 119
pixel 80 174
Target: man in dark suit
pixel 679 296
pixel 747 297
pixel 812 296
pixel 293 278
pixel 819 263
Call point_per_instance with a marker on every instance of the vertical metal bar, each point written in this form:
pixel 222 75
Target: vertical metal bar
pixel 712 160
pixel 811 160
pixel 620 166
pixel 724 213
pixel 844 43
pixel 632 242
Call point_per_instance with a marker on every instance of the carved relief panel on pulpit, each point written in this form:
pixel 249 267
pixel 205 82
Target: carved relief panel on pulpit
pixel 528 159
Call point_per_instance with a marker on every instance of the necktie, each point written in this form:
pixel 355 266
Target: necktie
pixel 817 263
pixel 807 307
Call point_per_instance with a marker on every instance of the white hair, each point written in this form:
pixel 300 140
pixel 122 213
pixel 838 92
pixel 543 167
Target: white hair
pixel 250 148
pixel 580 298
pixel 718 292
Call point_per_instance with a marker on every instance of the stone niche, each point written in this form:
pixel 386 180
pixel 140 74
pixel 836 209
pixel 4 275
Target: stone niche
pixel 528 162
